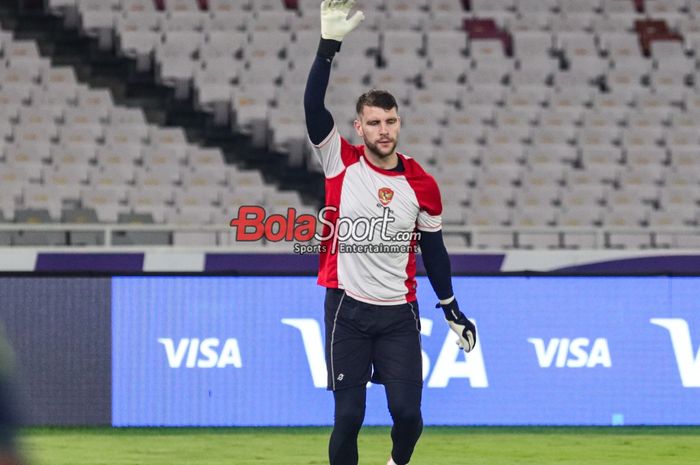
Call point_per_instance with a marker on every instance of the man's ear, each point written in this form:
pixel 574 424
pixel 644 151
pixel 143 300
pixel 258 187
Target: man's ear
pixel 358 127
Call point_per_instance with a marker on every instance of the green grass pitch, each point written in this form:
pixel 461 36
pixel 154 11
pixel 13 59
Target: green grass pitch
pixel 307 446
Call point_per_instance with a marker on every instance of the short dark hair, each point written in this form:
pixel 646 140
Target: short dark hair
pixel 376 98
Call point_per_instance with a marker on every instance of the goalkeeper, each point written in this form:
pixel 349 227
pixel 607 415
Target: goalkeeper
pixel 372 323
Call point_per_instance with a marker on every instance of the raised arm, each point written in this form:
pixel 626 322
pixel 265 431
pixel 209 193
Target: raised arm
pixel 319 122
pixel 335 25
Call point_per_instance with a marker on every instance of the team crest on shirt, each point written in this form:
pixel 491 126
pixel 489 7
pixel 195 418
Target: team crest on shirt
pixel 385 195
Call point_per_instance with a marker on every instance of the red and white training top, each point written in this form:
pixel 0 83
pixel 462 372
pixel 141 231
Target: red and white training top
pixel 358 189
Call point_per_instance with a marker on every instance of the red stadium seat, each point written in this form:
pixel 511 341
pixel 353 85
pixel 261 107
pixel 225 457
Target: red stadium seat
pixel 485 29
pixel 480 25
pixel 650 30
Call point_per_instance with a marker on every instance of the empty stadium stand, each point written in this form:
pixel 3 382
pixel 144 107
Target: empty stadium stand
pixel 72 157
pixel 547 123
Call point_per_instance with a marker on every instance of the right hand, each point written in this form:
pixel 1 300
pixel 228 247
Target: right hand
pixel 335 24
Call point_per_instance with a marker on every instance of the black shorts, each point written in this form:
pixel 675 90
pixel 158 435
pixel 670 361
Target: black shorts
pixel 365 342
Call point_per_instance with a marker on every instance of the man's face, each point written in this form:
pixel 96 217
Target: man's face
pixel 379 130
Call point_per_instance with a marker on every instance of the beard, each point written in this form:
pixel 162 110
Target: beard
pixel 378 151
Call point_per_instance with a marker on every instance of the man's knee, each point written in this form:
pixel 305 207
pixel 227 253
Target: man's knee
pixel 406 415
pixel 404 404
pixel 349 420
pixel 350 408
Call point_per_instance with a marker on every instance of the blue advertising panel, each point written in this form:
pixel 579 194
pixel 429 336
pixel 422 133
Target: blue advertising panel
pixel 219 351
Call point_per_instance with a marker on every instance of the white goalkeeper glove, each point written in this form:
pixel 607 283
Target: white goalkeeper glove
pixel 335 24
pixel 465 329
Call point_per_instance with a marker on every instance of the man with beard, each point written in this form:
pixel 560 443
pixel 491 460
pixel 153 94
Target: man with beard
pixel 382 198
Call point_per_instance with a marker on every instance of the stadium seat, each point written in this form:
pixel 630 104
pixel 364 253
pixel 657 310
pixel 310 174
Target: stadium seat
pixel 549 176
pixel 569 104
pixel 644 156
pixel 493 239
pixel 581 239
pixel 684 158
pixel 446 6
pixel 105 202
pixel 538 239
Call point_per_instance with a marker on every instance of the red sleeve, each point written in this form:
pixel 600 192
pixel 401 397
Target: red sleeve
pixel 349 153
pixel 425 187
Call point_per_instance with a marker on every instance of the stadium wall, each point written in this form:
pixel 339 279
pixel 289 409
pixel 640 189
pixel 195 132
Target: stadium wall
pixel 60 331
pixel 185 260
pixel 600 338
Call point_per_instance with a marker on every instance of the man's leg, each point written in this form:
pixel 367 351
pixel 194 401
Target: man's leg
pixel 349 415
pixel 404 405
pixel 398 364
pixel 348 360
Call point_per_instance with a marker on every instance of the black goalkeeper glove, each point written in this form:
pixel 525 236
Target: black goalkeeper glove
pixel 465 329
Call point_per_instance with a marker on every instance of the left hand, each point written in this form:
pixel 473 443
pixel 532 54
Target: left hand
pixel 465 329
pixel 335 24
